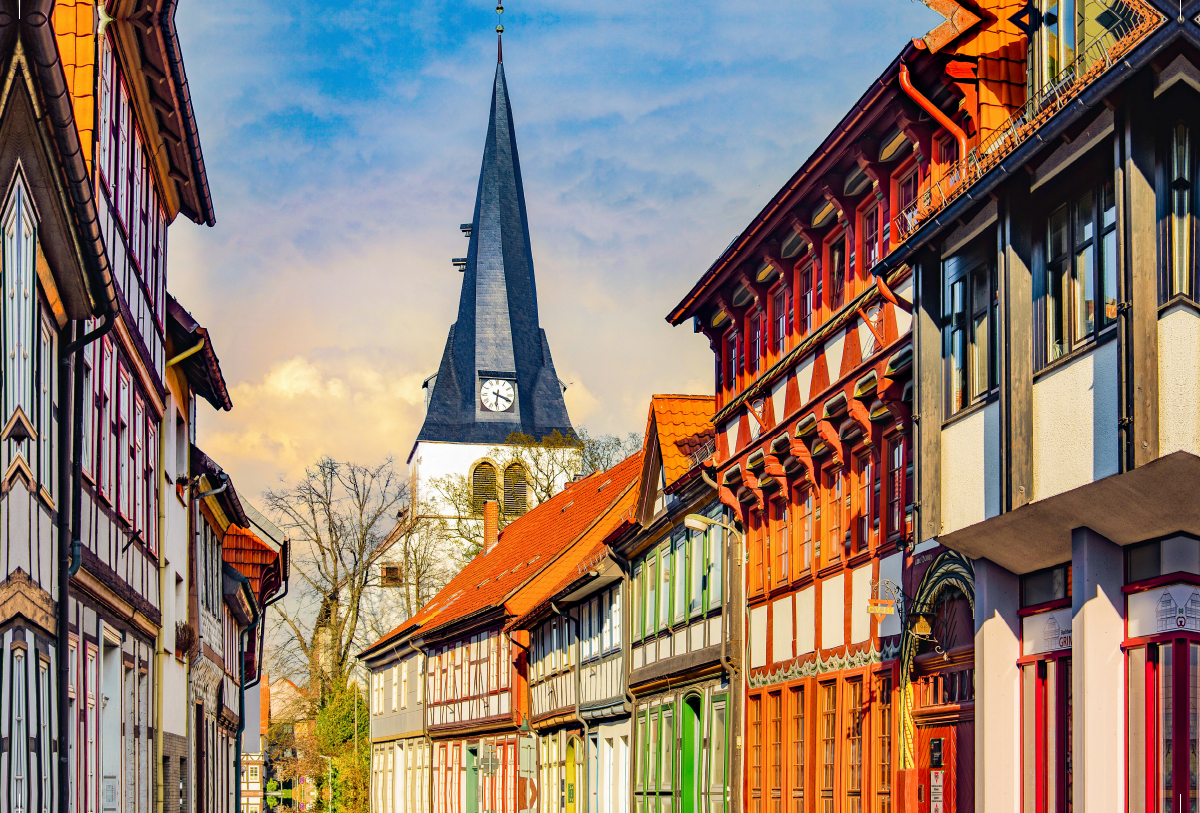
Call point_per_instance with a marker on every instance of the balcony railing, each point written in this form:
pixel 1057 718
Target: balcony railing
pixel 1125 22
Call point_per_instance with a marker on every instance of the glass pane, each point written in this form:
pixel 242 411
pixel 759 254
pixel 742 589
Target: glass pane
pixel 1051 745
pixel 1058 234
pixel 1085 292
pixel 716 748
pixel 1029 734
pixel 979 333
pixel 1166 739
pixel 1109 291
pixel 1181 223
pixel 1083 219
pixel 1135 782
pixel 1056 312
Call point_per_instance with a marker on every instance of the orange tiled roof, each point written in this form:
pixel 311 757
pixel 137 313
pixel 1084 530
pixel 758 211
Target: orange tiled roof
pixel 253 558
pixel 683 423
pixel 565 569
pixel 524 548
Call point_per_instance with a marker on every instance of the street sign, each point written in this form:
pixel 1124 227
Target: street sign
pixel 488 763
pixel 881 606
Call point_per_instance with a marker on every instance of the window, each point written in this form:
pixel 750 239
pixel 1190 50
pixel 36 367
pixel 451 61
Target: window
pixel 651 616
pixel 612 620
pixel 640 757
pixel 805 531
pixel 516 499
pixel 46 421
pixel 1181 223
pixel 756 341
pixel 899 486
pixel 780 531
pixel 717 751
pixel 796 704
pixel 716 557
pixel 872 249
pixel 854 746
pixel 1081 268
pixel 837 274
pixel 44 732
pixel 756 765
pixel 883 739
pixel 832 513
pixel 668 748
pixel 636 588
pixel 483 486
pixel 731 354
pixel 1046 733
pixel 868 501
pixel 829 737
pixel 806 298
pixel 664 595
pixel 971 323
pixel 696 569
pixel 783 312
pixel 680 609
pixel 1042 586
pixel 907 190
pixel 757 552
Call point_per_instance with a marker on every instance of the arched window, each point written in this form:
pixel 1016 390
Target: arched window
pixel 516 490
pixel 483 486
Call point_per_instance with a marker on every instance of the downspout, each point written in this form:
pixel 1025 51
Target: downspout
pixel 933 110
pixel 587 731
pixel 160 654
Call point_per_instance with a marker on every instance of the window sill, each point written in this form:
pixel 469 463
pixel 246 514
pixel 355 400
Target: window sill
pixel 1105 336
pixel 971 409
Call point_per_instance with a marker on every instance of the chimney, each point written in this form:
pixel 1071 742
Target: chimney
pixel 491 525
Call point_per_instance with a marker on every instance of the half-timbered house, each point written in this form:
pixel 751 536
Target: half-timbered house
pixel 577 700
pixel 98 155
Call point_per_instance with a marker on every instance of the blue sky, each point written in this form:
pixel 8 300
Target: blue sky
pixel 343 146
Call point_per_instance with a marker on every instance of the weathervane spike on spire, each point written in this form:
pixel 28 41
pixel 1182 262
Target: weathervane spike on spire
pixel 499 35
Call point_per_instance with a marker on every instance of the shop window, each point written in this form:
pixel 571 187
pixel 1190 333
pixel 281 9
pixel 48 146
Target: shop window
pixel 854 746
pixel 1046 735
pixel 796 704
pixel 829 738
pixel 756 755
pixel 1081 270
pixel 883 744
pixel 1163 707
pixel 971 323
pixel 775 751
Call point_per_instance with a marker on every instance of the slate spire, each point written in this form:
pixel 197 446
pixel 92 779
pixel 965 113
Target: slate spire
pixel 497 336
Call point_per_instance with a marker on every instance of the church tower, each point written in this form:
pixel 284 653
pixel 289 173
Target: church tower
pixel 496 377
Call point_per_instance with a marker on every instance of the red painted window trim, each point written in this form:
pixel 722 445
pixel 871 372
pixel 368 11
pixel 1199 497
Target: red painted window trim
pixel 1178 577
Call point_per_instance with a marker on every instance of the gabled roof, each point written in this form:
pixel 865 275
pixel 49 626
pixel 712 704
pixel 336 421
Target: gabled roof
pixel 497 334
pixel 525 548
pixel 254 559
pixel 531 599
pixel 203 368
pixel 226 498
pixel 681 425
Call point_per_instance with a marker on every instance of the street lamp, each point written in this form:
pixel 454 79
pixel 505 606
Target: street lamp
pixel 330 761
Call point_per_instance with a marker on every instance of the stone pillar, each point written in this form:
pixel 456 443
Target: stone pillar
pixel 997 689
pixel 1097 673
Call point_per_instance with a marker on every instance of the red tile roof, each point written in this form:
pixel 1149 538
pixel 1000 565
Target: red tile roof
pixel 566 568
pixel 254 559
pixel 682 423
pixel 525 547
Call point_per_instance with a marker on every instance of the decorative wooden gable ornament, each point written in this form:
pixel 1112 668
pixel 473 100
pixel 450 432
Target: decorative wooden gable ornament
pixel 958 21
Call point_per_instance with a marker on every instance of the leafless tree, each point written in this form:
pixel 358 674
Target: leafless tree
pixel 339 516
pixel 602 452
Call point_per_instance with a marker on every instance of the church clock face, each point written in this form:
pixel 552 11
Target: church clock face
pixel 497 395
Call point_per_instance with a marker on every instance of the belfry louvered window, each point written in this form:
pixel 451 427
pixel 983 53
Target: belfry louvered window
pixel 483 486
pixel 516 490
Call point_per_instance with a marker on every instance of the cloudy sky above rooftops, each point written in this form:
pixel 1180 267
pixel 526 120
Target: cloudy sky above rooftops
pixel 343 145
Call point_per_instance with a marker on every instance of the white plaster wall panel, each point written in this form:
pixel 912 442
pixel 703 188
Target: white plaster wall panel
pixel 778 397
pixel 866 339
pixel 904 319
pixel 758 636
pixel 806 620
pixel 971 469
pixel 1178 382
pixel 860 594
pixel 1104 410
pixel 1063 437
pixel 730 430
pixel 833 611
pixel 781 629
pixel 804 374
pixel 834 350
pixel 890 569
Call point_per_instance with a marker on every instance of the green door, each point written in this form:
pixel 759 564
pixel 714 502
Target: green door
pixel 472 780
pixel 690 765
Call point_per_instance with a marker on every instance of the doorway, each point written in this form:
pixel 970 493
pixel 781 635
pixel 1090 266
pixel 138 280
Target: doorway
pixel 472 780
pixel 690 764
pixel 572 760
